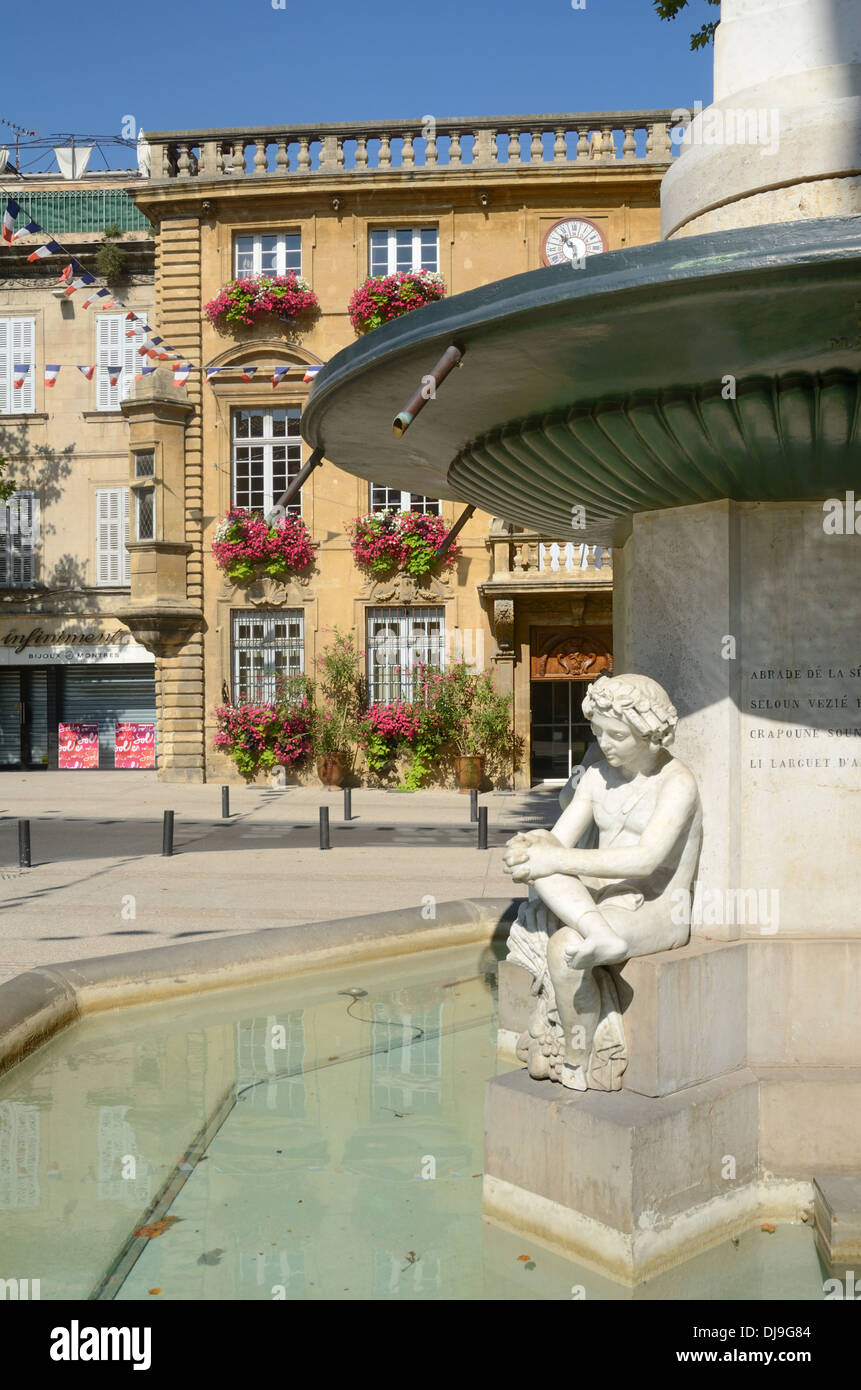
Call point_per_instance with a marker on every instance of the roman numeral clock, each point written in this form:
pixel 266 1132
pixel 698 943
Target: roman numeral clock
pixel 570 240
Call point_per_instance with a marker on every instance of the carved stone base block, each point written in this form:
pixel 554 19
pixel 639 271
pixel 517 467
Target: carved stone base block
pixel 743 1087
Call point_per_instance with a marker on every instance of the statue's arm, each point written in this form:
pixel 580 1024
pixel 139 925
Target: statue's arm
pixel 673 811
pixel 578 814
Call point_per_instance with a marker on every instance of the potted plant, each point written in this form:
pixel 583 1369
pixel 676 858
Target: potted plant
pixel 261 735
pixel 243 303
pixel 246 542
pixel 337 708
pixel 384 543
pixel 477 721
pixel 384 297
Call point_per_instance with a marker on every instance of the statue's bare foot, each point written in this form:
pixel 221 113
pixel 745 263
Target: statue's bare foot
pixel 598 949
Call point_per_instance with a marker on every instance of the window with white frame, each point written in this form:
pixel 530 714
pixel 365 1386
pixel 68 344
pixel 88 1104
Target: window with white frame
pixel 267 253
pixel 403 248
pixel 112 532
pixel 267 648
pixel 267 455
pixel 19 535
pixel 391 499
pixel 17 340
pixel 398 640
pixel 117 343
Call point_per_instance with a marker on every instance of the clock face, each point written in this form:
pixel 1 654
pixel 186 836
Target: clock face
pixel 572 240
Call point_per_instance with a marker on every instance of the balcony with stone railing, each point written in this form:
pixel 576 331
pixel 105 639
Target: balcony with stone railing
pixel 607 138
pixel 523 557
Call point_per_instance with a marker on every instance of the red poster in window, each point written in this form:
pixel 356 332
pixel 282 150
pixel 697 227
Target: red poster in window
pixel 78 745
pixel 134 745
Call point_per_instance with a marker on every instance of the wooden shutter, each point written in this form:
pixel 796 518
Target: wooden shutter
pixel 109 352
pixel 112 532
pixel 23 345
pixel 131 361
pixel 18 540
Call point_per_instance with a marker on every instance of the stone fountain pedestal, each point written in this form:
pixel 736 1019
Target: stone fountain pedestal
pixel 743 1088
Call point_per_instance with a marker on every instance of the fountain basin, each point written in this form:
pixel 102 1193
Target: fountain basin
pixel 716 367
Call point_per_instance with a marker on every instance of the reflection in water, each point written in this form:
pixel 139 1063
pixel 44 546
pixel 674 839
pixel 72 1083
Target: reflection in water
pixel 308 1148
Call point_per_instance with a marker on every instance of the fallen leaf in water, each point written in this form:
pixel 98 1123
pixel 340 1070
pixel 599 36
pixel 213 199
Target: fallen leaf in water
pixel 156 1228
pixel 478 1175
pixel 210 1257
pixel 766 1227
pixel 153 1290
pixel 524 1257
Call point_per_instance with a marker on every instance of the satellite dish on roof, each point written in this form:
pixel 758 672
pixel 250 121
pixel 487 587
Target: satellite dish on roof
pixel 73 159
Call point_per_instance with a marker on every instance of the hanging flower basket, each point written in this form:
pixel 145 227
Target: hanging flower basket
pixel 246 543
pixel 385 297
pixel 243 303
pixel 384 543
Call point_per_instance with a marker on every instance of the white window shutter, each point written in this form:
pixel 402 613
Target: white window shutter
pixel 109 352
pixel 130 359
pixel 112 529
pixel 125 558
pixel 5 367
pixel 23 350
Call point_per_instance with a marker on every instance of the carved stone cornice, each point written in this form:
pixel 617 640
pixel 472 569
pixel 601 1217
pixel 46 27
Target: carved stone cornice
pixel 266 592
pixel 161 628
pixel 403 588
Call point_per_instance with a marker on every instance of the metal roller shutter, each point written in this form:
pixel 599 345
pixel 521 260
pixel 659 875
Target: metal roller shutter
pixel 10 718
pixel 109 695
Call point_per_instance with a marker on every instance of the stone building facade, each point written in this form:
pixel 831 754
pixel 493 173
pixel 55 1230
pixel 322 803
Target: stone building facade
pixel 477 201
pixel 71 672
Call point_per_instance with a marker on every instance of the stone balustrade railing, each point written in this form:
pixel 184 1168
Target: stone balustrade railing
pixel 527 556
pixel 492 142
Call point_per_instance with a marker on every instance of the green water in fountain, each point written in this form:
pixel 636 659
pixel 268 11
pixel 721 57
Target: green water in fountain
pixel 304 1144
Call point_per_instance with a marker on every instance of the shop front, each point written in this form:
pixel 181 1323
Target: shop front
pixel 75 695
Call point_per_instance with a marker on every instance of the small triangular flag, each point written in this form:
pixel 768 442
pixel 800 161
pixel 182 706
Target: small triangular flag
pixel 20 369
pixel 29 229
pixel 51 374
pixel 87 371
pixel 311 372
pixel 279 374
pixel 248 373
pixel 181 374
pixel 11 212
pixel 51 248
pixel 114 373
pixel 213 371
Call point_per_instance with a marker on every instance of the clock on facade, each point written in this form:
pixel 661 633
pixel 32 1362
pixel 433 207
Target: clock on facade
pixel 571 240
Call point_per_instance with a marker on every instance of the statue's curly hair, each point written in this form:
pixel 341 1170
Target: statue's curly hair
pixel 639 701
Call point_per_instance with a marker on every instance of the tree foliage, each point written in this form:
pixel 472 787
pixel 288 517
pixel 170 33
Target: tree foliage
pixel 669 9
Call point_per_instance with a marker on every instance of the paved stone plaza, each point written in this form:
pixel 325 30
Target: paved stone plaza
pixel 96 855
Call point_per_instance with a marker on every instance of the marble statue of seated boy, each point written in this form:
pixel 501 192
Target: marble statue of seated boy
pixel 592 908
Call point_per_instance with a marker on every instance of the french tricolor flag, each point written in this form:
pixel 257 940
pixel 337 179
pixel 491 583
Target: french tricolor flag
pixel 20 369
pixel 29 229
pixel 213 371
pixel 114 374
pixel 87 371
pixel 51 248
pixel 81 282
pixel 12 210
pixel 311 372
pixel 248 373
pixel 145 371
pixel 51 374
pixel 181 374
pixel 98 294
pixel 278 375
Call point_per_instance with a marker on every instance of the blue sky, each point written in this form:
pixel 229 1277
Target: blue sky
pixel 171 65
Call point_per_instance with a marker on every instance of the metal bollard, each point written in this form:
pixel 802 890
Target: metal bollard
pixel 167 834
pixel 24 844
pixel 225 803
pixel 324 828
pixel 348 803
pixel 482 827
pixel 473 805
